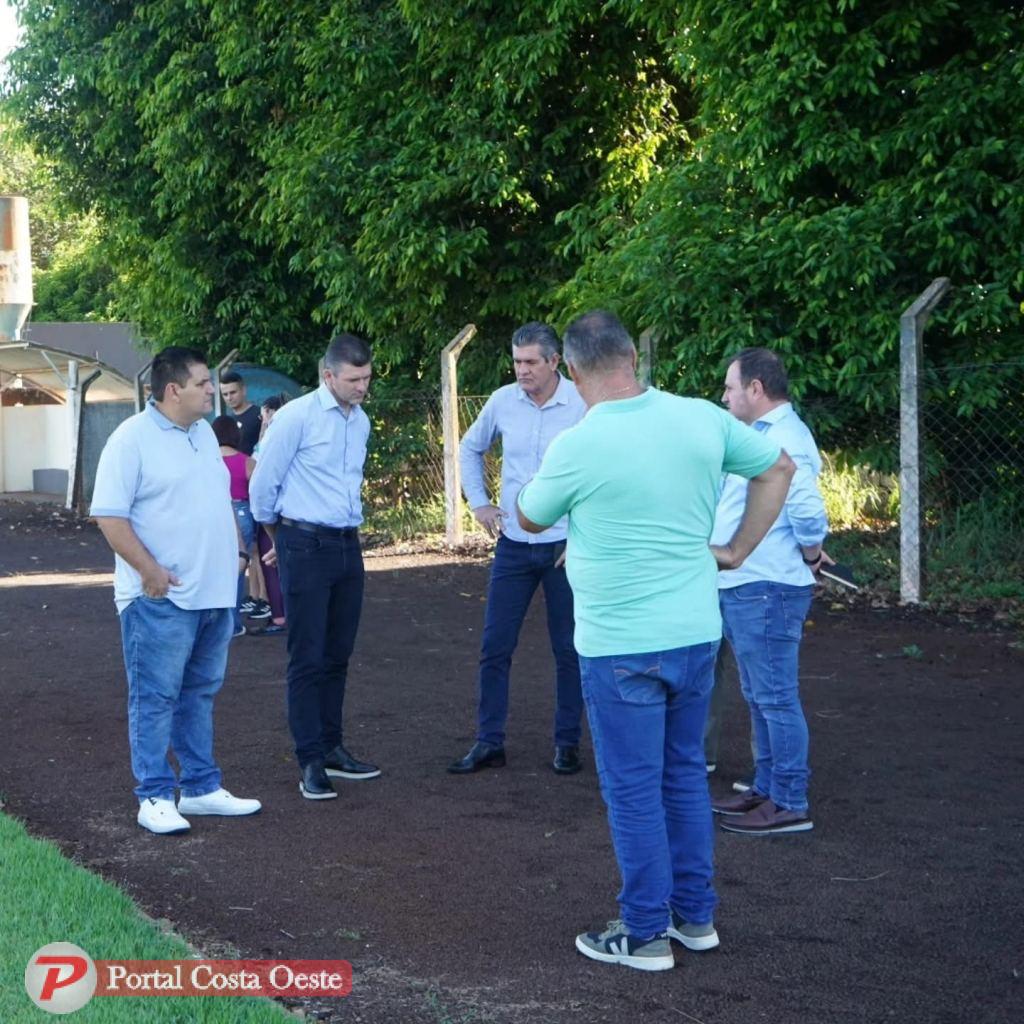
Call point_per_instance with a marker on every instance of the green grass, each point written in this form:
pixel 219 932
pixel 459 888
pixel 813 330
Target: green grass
pixel 975 551
pixel 45 898
pixel 414 520
pixel 857 497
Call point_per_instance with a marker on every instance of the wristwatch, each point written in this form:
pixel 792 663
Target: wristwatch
pixel 245 555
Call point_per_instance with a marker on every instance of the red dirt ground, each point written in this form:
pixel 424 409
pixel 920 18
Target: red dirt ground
pixel 457 898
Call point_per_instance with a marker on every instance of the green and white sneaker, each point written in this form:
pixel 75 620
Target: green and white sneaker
pixel 698 937
pixel 616 946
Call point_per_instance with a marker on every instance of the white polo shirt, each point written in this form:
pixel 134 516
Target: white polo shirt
pixel 173 486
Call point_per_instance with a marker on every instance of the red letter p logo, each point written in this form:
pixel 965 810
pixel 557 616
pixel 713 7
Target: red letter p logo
pixel 53 981
pixel 60 978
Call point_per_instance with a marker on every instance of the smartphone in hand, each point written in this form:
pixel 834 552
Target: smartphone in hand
pixel 841 574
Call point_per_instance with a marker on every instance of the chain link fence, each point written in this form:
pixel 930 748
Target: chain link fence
pixel 972 426
pixel 404 493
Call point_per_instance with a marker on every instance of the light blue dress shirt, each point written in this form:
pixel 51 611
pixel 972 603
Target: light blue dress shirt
pixel 526 430
pixel 802 521
pixel 171 484
pixel 311 463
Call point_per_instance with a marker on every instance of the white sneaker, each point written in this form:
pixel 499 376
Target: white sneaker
pixel 220 801
pixel 161 817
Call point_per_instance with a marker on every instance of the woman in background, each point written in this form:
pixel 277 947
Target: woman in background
pixel 263 543
pixel 240 466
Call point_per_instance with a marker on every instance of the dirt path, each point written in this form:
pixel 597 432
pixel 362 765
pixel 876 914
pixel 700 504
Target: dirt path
pixel 457 898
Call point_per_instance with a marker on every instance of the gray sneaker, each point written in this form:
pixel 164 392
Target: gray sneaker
pixel 698 937
pixel 616 946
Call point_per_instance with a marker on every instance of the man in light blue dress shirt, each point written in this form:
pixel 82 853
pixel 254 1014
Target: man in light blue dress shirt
pixel 527 416
pixel 765 602
pixel 306 492
pixel 163 503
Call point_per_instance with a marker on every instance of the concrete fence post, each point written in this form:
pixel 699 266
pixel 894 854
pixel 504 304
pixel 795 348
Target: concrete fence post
pixel 912 324
pixel 451 433
pixel 647 350
pixel 77 391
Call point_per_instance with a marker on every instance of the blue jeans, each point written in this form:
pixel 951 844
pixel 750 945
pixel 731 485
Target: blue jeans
pixel 518 569
pixel 175 660
pixel 764 623
pixel 322 582
pixel 247 528
pixel 646 714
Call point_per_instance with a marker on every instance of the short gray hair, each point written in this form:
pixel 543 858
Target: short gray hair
pixel 536 333
pixel 597 341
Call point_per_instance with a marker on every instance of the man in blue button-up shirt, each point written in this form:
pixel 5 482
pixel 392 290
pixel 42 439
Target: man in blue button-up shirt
pixel 306 492
pixel 527 416
pixel 765 601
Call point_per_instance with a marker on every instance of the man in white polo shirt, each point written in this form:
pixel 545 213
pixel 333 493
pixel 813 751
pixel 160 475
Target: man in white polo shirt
pixel 163 503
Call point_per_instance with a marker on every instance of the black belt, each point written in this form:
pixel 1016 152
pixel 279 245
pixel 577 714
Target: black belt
pixel 321 531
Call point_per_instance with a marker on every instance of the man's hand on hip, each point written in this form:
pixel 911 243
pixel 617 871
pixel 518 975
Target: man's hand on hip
pixel 490 518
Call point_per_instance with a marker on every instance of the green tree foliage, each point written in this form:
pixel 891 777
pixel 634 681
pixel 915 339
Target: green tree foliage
pixel 790 173
pixel 274 171
pixel 847 153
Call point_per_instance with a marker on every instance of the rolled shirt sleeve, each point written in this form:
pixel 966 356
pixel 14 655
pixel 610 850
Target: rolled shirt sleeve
pixel 475 444
pixel 805 506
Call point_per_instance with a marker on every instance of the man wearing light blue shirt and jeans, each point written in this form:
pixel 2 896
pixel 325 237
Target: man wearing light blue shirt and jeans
pixel 163 503
pixel 765 602
pixel 527 416
pixel 306 492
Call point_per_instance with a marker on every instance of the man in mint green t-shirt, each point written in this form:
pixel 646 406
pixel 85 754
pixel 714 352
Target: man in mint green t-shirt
pixel 639 477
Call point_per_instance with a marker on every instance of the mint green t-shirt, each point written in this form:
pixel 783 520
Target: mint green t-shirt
pixel 639 479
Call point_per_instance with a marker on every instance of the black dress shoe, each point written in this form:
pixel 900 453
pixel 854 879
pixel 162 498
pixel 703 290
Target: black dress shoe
pixel 341 764
pixel 567 760
pixel 481 755
pixel 314 784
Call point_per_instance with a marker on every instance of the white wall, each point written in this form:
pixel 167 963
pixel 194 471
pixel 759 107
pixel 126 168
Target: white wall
pixel 33 437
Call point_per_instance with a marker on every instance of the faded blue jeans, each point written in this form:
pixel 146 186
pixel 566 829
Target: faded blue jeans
pixel 175 660
pixel 764 623
pixel 646 714
pixel 247 531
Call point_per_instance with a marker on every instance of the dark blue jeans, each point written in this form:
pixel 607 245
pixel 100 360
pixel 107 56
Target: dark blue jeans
pixel 647 714
pixel 518 569
pixel 322 581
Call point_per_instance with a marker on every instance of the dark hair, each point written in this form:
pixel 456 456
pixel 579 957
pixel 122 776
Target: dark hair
pixel 536 333
pixel 173 364
pixel 765 366
pixel 231 377
pixel 227 431
pixel 597 340
pixel 273 402
pixel 346 348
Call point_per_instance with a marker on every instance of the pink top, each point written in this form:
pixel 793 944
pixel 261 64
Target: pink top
pixel 239 481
